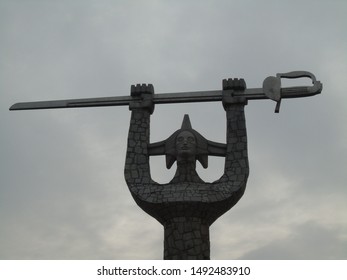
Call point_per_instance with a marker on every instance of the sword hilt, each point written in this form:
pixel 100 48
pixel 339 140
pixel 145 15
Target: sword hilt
pixel 272 87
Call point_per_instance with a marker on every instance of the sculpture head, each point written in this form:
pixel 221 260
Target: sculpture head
pixel 186 144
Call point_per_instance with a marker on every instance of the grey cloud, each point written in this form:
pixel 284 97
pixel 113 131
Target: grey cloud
pixel 305 242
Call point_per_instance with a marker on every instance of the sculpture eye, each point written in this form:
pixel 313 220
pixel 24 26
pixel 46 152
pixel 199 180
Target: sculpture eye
pixel 191 139
pixel 180 139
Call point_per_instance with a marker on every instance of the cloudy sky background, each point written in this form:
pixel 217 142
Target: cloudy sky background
pixel 62 190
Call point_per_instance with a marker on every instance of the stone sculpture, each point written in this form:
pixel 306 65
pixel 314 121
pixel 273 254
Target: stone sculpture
pixel 187 206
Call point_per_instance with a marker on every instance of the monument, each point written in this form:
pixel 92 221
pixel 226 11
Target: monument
pixel 187 206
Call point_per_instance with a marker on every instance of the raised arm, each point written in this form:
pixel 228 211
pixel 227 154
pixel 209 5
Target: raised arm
pixel 137 170
pixel 236 161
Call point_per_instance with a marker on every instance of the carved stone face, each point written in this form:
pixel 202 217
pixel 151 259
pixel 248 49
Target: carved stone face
pixel 185 146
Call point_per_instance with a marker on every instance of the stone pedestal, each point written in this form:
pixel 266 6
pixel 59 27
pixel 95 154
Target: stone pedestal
pixel 186 238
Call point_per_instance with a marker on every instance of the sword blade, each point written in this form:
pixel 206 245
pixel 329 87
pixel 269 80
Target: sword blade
pixel 73 103
pixel 160 98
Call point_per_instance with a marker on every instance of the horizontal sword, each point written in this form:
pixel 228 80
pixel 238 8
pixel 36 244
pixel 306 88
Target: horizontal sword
pixel 271 90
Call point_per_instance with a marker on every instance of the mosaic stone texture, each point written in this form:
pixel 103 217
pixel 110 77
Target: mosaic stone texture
pixel 186 206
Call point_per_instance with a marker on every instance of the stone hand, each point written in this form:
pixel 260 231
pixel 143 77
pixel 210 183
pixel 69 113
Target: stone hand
pixel 230 86
pixel 142 97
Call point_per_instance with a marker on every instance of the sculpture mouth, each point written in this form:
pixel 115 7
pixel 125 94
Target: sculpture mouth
pixel 186 149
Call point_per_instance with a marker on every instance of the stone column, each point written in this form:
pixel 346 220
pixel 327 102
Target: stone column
pixel 186 238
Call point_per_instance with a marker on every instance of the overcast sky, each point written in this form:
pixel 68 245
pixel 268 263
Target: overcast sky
pixel 62 189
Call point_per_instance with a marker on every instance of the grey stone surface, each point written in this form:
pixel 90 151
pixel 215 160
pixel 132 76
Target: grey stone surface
pixel 186 206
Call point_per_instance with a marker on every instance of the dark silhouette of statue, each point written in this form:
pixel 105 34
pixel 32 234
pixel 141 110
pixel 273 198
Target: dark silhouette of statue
pixel 187 206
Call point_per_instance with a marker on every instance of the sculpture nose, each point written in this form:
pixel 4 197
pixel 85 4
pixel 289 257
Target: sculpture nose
pixel 185 142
